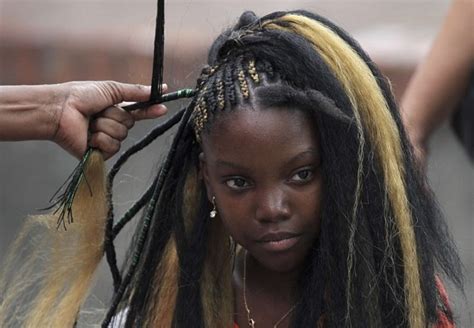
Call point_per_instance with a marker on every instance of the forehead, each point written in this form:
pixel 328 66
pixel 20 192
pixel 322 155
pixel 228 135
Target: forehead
pixel 251 131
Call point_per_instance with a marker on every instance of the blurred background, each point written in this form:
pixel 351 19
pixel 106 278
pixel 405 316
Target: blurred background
pixel 52 41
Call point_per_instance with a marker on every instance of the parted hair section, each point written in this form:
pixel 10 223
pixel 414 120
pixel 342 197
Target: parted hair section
pixel 382 241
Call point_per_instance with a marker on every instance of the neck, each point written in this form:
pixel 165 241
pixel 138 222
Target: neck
pixel 261 280
pixel 265 280
pixel 270 295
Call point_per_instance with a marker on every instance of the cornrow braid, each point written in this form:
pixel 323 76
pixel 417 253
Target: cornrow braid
pixel 201 111
pixel 244 86
pixel 229 85
pixel 210 95
pixel 220 84
pixel 220 90
pixel 200 114
pixel 253 71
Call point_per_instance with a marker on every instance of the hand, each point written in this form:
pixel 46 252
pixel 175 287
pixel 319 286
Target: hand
pixel 85 102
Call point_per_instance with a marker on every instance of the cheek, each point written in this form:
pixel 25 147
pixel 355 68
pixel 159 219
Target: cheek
pixel 232 215
pixel 310 208
pixel 235 215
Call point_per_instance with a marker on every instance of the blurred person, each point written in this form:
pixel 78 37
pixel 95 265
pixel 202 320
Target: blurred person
pixel 62 113
pixel 437 88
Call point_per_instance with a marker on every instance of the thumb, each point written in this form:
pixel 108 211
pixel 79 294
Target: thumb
pixel 130 92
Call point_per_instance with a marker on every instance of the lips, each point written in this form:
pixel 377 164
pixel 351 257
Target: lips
pixel 278 241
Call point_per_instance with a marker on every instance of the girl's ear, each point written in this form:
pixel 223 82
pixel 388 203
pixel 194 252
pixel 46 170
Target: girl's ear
pixel 203 172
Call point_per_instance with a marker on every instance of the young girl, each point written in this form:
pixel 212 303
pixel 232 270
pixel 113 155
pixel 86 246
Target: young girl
pixel 289 198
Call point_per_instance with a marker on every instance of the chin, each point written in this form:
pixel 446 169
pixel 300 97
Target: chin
pixel 283 262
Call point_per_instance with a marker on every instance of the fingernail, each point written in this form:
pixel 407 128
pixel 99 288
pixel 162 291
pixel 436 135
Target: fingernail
pixel 163 107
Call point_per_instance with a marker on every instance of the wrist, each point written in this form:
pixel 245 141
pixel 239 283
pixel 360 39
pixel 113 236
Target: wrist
pixel 29 112
pixel 53 108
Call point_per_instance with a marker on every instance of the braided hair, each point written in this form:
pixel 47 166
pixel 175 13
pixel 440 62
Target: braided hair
pixel 378 270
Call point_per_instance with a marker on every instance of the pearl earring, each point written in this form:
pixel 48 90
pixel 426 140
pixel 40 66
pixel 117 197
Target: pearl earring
pixel 213 212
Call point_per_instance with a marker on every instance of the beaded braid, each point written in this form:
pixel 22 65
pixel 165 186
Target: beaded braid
pixel 200 112
pixel 252 70
pixel 221 84
pixel 220 90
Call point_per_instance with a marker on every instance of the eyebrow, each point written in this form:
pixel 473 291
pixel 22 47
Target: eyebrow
pixel 303 154
pixel 230 164
pixel 299 156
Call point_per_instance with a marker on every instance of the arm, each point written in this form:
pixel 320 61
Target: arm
pixel 29 112
pixel 62 112
pixel 441 79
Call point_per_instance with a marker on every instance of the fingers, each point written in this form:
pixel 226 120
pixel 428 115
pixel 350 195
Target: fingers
pixel 119 115
pixel 90 98
pixel 150 112
pixel 119 92
pixel 107 145
pixel 109 129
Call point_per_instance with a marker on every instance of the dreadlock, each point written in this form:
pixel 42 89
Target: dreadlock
pixel 378 270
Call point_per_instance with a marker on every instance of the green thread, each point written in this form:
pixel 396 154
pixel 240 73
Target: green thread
pixel 183 93
pixel 63 198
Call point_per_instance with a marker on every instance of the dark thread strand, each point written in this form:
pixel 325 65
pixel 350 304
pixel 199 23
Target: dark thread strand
pixel 133 210
pixel 63 198
pixel 149 213
pixel 158 53
pixel 109 234
pixel 184 93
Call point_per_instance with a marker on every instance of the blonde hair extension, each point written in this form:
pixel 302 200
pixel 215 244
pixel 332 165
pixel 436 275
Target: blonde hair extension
pixel 216 279
pixel 369 102
pixel 58 268
pixel 161 308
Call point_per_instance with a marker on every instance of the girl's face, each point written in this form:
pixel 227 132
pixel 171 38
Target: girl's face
pixel 263 167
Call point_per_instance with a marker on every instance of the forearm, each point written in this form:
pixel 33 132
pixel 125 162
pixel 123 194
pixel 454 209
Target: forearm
pixel 29 112
pixel 441 80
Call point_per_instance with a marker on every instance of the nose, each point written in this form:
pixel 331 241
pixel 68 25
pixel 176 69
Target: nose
pixel 272 205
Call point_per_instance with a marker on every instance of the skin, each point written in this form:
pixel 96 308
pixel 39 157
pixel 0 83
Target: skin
pixel 441 79
pixel 62 113
pixel 263 167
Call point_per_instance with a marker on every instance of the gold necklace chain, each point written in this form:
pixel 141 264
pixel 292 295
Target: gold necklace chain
pixel 250 320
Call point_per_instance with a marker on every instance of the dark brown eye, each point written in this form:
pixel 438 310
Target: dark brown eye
pixel 237 183
pixel 303 176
